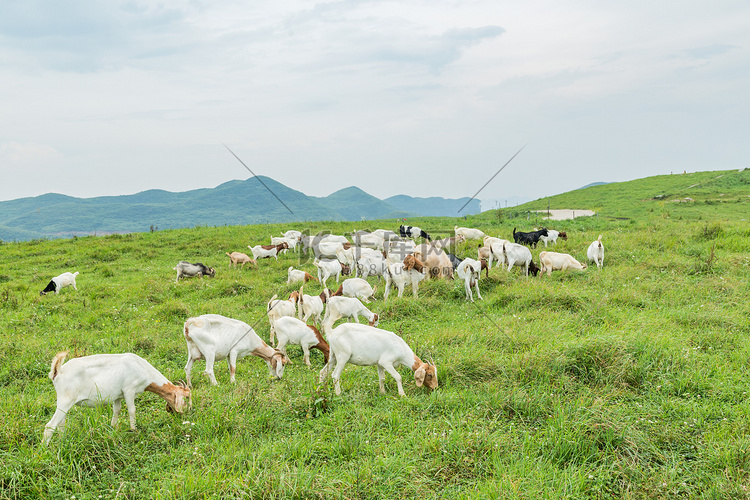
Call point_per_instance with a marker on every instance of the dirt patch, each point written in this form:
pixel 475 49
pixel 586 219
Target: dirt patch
pixel 566 214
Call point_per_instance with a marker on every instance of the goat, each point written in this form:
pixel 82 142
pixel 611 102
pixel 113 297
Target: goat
pixel 240 258
pixel 296 275
pixel 368 240
pixel 413 232
pixel 469 270
pixel 276 308
pixel 59 282
pixel 290 242
pixel 347 307
pixel 411 271
pixel 356 287
pixel 328 268
pixel 552 236
pixel 293 331
pixel 553 261
pixel 371 265
pixel 519 254
pixel 450 242
pixel 366 346
pixel 216 337
pixel 468 233
pixel 531 238
pixel 312 305
pixel 108 378
pixel 189 270
pixel 595 252
pixel 267 251
pixel 434 260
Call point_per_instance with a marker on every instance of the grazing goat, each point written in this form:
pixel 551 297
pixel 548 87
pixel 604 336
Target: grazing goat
pixel 469 270
pixel 468 233
pixel 240 258
pixel 312 305
pixel 277 308
pixel 108 378
pixel 356 287
pixel 293 234
pixel 553 261
pixel 530 238
pixel 216 337
pixel 290 242
pixel 371 265
pixel 267 251
pixel 188 270
pixel 409 272
pixel 449 242
pixel 293 331
pixel 521 255
pixel 328 268
pixel 397 250
pixel 435 261
pixel 413 232
pixel 296 275
pixel 347 307
pixel 59 282
pixel 386 234
pixel 595 252
pixel 368 240
pixel 552 236
pixel 366 346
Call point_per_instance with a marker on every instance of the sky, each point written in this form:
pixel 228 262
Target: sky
pixel 424 98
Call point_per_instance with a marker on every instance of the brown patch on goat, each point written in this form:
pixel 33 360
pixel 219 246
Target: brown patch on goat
pixel 563 235
pixel 57 363
pixel 347 245
pixel 411 262
pixel 294 297
pixel 339 292
pixel 322 345
pixel 375 318
pixel 168 392
pixel 485 267
pixel 309 277
pixel 533 268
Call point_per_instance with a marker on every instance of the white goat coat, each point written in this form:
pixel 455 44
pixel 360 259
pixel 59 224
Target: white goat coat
pixel 553 261
pixel 517 254
pixel 363 345
pixel 396 275
pixel 103 379
pixel 358 287
pixel 215 337
pixel 595 252
pixel 347 307
pixel 469 270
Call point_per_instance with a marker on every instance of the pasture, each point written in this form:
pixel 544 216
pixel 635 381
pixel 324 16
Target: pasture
pixel 629 381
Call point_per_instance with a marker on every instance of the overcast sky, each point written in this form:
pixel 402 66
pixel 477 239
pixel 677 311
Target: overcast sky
pixel 426 98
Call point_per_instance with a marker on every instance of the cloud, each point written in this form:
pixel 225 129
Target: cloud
pixel 709 51
pixel 15 154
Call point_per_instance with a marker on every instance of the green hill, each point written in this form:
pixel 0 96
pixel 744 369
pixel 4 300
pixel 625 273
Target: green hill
pixel 354 205
pixel 700 195
pixel 436 206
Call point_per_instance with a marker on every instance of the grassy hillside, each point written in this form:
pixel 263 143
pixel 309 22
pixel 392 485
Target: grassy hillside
pixel 704 195
pixel 625 382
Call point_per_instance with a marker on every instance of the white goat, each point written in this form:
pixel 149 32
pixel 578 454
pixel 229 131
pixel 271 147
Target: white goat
pixel 469 270
pixel 409 272
pixel 108 378
pixel 328 268
pixel 59 282
pixel 347 307
pixel 216 337
pixel 277 308
pixel 469 233
pixel 312 305
pixel 521 255
pixel 553 261
pixel 356 287
pixel 293 331
pixel 297 275
pixel 267 251
pixel 552 236
pixel 595 252
pixel 366 346
pixel 371 265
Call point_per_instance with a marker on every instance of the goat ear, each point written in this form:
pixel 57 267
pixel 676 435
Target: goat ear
pixel 419 375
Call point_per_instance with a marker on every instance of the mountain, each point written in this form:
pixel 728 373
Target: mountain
pixel 252 201
pixel 434 206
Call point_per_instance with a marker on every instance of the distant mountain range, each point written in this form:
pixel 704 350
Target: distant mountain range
pixel 232 203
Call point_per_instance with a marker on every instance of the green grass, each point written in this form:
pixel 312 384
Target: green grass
pixel 625 382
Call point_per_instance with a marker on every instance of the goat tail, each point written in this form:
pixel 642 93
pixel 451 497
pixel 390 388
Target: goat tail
pixel 75 273
pixel 57 362
pixel 275 296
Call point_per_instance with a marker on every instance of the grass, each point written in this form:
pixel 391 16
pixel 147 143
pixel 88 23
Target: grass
pixel 625 382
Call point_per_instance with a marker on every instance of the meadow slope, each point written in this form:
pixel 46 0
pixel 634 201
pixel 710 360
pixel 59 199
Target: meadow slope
pixel 625 382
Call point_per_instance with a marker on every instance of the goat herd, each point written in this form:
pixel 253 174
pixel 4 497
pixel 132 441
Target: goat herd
pixel 396 257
